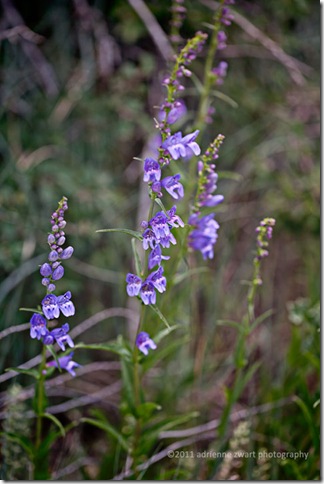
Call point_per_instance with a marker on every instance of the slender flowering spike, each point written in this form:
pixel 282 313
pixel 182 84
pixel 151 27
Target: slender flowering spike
pixel 50 307
pixel 65 363
pixel 133 284
pixel 147 292
pixel 66 305
pixel 144 343
pixel 37 326
pixel 179 146
pixel 173 186
pixel 60 336
pixel 152 170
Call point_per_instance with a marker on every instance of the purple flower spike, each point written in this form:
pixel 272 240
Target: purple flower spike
pixel 158 280
pixel 144 343
pixel 67 253
pixel 50 307
pixel 152 170
pixel 60 336
pixel 212 201
pixel 172 186
pixel 66 363
pixel 66 306
pixel 58 273
pixel 45 270
pixel 147 293
pixel 179 146
pixel 37 326
pixel 174 220
pixel 133 284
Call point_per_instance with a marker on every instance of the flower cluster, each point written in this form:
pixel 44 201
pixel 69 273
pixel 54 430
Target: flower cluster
pixel 203 237
pixel 52 305
pixel 178 11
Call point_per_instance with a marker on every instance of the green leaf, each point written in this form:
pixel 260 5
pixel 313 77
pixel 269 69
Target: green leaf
pixel 309 419
pixel 232 324
pixel 56 421
pixel 109 429
pixel 260 319
pixel 165 332
pixel 24 371
pixel 114 347
pixel 224 97
pixel 138 262
pixel 23 441
pixel 160 204
pixel 133 233
pixel 31 310
pixel 158 312
pixel 128 384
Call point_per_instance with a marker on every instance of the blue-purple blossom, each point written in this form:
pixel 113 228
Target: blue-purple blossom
pixel 50 307
pixel 220 71
pixel 173 219
pixel 177 111
pixel 159 224
pixel 37 326
pixel 65 363
pixel 144 343
pixel 60 335
pixel 66 305
pixel 149 239
pixel 133 284
pixel 152 170
pixel 156 257
pixel 173 186
pixel 158 280
pixel 204 236
pixel 147 292
pixel 179 146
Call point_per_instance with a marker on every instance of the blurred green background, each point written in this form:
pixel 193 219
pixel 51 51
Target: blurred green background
pixel 80 82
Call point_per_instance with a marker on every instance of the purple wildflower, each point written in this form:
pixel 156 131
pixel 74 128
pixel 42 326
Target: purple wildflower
pixel 65 304
pixel 173 219
pixel 147 292
pixel 37 326
pixel 144 343
pixel 133 284
pixel 65 363
pixel 67 253
pixel 50 307
pixel 220 71
pixel 58 273
pixel 159 224
pixel 158 280
pixel 149 239
pixel 45 270
pixel 204 236
pixel 152 170
pixel 60 335
pixel 173 186
pixel 221 37
pixel 156 257
pixel 179 146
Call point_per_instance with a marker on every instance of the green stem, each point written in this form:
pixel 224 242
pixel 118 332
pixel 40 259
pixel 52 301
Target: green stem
pixel 40 400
